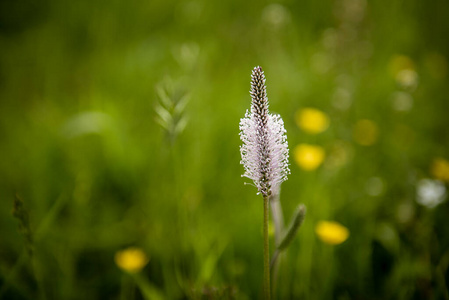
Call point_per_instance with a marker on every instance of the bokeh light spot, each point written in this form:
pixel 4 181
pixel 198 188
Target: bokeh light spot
pixel 407 79
pixel 402 101
pixel 430 193
pixel 340 153
pixel 375 186
pixel 365 132
pixel 275 15
pixel 400 62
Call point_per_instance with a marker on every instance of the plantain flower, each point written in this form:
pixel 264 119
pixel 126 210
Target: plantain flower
pixel 265 148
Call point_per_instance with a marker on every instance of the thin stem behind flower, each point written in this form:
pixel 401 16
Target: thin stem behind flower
pixel 266 250
pixel 278 221
pixel 277 215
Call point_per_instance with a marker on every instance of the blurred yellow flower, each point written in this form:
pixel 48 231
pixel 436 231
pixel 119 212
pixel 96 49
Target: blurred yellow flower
pixel 403 70
pixel 332 233
pixel 312 120
pixel 365 132
pixel 440 169
pixel 309 157
pixel 131 259
pixel 407 78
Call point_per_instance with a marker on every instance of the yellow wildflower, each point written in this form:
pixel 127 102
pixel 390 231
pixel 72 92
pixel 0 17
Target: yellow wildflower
pixel 309 157
pixel 365 132
pixel 332 233
pixel 312 120
pixel 131 259
pixel 403 70
pixel 440 169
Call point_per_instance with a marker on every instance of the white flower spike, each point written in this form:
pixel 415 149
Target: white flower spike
pixel 265 148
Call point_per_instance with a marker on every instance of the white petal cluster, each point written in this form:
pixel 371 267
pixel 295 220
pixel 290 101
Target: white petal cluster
pixel 265 148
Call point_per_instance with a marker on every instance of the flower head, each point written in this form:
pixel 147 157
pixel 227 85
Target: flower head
pixel 265 148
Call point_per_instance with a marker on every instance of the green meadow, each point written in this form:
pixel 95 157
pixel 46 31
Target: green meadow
pixel 120 174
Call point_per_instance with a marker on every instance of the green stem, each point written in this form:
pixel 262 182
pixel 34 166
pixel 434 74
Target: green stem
pixel 127 288
pixel 278 220
pixel 266 250
pixel 277 215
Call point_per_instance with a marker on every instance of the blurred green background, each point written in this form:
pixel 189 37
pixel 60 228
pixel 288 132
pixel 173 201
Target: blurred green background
pixel 119 148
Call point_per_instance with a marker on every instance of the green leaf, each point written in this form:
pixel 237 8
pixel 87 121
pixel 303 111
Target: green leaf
pixel 165 99
pixel 180 106
pixel 290 233
pixel 163 114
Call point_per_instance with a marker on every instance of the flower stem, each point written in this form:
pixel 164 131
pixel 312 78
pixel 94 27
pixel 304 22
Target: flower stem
pixel 266 250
